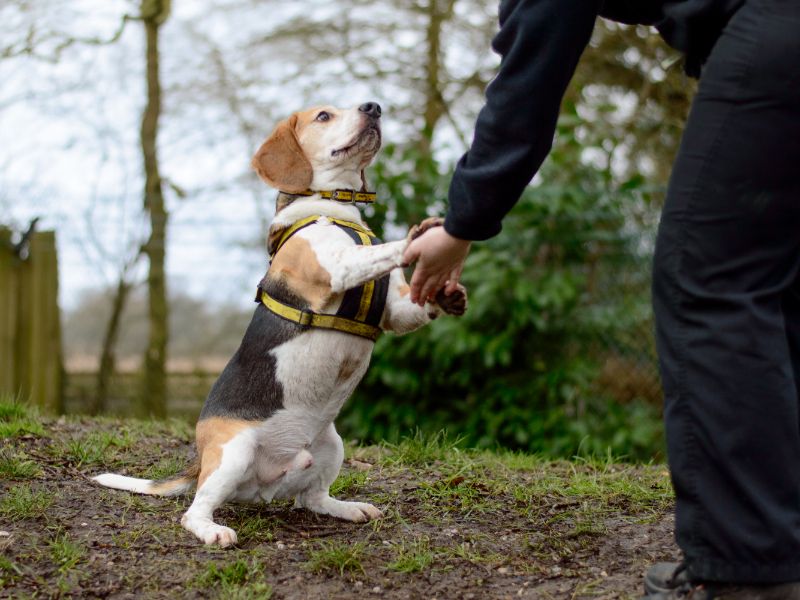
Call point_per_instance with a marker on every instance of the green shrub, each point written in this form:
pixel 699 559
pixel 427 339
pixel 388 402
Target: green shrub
pixel 562 289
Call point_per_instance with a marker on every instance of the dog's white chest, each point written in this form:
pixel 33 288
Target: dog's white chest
pixel 318 370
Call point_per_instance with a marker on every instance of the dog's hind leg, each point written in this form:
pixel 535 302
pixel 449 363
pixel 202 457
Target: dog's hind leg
pixel 269 471
pixel 223 468
pixel 328 452
pixel 283 444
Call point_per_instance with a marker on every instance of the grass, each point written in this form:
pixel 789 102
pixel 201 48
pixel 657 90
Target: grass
pixel 456 494
pixel 9 571
pixel 235 573
pixel 17 419
pixel 336 556
pixel 412 557
pixel 238 580
pixel 252 527
pixel 612 482
pixel 16 465
pixel 84 451
pixel 419 450
pixel 348 483
pixel 468 552
pixel 513 460
pixel 12 408
pixel 65 553
pixel 471 483
pixel 20 502
pixel 166 467
pixel 95 448
pixel 173 428
pixel 465 516
pixel 134 504
pixel 129 538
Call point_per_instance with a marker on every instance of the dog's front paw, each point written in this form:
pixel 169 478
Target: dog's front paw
pixel 220 535
pixel 454 304
pixel 209 532
pixel 429 223
pixel 358 512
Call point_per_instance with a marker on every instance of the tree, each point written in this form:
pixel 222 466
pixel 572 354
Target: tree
pixel 47 35
pixel 237 66
pixel 107 362
pixel 154 398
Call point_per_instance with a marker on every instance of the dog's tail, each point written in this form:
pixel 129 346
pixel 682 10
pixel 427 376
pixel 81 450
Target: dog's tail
pixel 174 486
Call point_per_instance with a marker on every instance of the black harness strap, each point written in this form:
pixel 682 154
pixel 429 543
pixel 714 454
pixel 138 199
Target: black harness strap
pixel 361 306
pixel 377 290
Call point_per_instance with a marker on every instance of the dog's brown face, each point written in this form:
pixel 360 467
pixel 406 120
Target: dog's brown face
pixel 320 148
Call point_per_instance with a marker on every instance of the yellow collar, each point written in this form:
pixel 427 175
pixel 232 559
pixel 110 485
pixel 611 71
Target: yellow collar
pixel 345 196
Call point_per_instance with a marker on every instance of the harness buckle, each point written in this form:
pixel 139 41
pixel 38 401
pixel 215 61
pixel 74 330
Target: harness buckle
pixel 336 193
pixel 306 317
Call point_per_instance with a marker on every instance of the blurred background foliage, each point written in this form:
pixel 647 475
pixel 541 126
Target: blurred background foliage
pixel 555 354
pixel 559 324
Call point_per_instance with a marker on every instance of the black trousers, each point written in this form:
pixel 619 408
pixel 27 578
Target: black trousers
pixel 726 293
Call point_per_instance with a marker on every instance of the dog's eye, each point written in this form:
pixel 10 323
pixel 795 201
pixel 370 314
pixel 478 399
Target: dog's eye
pixel 323 116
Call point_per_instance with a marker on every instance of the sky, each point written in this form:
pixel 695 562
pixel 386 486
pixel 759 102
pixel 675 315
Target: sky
pixel 69 131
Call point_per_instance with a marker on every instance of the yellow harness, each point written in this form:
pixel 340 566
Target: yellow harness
pixel 362 307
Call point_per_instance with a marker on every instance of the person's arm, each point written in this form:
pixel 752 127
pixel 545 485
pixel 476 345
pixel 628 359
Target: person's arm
pixel 633 12
pixel 540 42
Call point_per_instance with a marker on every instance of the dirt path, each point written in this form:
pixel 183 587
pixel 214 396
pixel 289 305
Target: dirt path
pixel 457 525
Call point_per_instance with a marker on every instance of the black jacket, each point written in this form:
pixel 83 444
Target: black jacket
pixel 540 42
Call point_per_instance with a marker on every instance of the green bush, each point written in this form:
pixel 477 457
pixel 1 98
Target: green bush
pixel 549 299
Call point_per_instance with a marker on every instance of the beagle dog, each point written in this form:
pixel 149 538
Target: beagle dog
pixel 266 429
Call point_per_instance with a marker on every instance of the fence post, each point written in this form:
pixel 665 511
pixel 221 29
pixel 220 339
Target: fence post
pixel 39 369
pixel 8 314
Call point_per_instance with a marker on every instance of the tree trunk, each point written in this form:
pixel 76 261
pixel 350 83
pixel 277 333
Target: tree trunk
pixel 107 365
pixel 438 12
pixel 154 398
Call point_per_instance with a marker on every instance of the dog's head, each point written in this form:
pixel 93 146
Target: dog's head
pixel 321 148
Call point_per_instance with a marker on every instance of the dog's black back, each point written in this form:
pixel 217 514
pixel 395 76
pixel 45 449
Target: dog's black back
pixel 248 387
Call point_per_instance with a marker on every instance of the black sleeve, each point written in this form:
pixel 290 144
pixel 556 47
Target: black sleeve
pixel 540 42
pixel 640 12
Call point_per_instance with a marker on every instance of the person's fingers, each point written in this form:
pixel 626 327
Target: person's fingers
pixel 457 272
pixel 441 285
pixel 421 298
pixel 434 290
pixel 418 279
pixel 452 282
pixel 412 253
pixel 425 292
pixel 451 285
pixel 432 286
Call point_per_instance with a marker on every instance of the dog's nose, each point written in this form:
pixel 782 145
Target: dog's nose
pixel 373 109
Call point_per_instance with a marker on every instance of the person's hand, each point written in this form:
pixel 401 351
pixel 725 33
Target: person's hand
pixel 440 259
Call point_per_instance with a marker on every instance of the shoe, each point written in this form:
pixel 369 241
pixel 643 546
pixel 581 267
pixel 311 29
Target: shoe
pixel 781 591
pixel 669 581
pixel 665 577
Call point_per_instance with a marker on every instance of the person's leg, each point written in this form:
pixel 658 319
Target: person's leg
pixel 727 259
pixel 791 312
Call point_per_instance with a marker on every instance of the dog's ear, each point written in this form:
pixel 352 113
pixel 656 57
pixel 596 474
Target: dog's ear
pixel 281 162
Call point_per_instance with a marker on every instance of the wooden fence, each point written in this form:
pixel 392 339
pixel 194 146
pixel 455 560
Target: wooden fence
pixel 30 327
